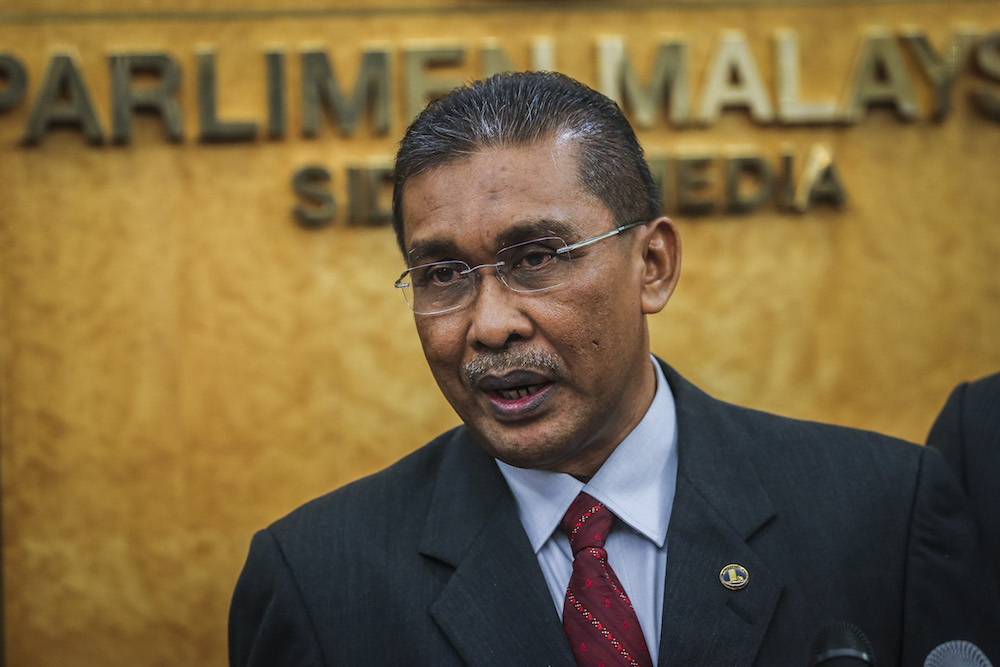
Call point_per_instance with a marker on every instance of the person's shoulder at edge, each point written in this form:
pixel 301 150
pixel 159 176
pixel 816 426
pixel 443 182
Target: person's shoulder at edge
pixel 773 432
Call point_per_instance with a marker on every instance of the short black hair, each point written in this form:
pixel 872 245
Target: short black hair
pixel 520 109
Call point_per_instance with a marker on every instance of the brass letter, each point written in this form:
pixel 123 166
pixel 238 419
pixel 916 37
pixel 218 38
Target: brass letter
pixel 733 80
pixel 493 59
pixel 63 100
pixel 820 181
pixel 659 169
pixel 213 129
pixel 161 100
pixel 318 206
pixel 786 186
pixel 420 89
pixel 940 71
pixel 543 54
pixel 692 179
pixel 12 71
pixel 277 110
pixel 371 190
pixel 880 77
pixel 791 109
pixel 320 86
pixel 669 78
pixel 988 63
pixel 739 170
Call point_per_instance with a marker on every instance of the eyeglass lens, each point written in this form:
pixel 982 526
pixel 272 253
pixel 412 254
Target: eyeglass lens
pixel 531 266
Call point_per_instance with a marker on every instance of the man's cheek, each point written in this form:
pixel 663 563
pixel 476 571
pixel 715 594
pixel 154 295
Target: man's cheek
pixel 435 346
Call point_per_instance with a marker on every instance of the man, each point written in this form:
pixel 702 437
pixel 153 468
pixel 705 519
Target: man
pixel 594 507
pixel 967 432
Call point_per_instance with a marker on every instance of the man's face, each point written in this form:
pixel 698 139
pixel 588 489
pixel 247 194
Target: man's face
pixel 551 379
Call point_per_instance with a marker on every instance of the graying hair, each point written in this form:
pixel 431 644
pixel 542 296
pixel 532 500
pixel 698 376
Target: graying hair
pixel 520 109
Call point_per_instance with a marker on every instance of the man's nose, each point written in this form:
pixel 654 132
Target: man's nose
pixel 497 314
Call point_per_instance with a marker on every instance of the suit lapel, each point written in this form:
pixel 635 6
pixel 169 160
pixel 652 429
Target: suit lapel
pixel 718 507
pixel 495 608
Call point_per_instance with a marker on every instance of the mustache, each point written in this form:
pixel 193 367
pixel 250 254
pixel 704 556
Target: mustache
pixel 505 360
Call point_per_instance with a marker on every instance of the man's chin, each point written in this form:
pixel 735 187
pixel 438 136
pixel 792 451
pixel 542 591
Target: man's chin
pixel 521 448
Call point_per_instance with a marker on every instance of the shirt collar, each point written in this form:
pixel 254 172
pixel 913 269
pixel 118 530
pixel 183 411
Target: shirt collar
pixel 637 481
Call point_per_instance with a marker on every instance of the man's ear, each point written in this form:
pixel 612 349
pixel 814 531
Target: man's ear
pixel 661 263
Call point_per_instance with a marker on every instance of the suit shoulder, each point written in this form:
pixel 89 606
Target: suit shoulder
pixel 853 450
pixel 703 417
pixel 799 459
pixel 987 387
pixel 981 408
pixel 790 435
pixel 402 488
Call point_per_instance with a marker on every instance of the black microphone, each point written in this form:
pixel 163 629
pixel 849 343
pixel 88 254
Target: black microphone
pixel 841 644
pixel 957 653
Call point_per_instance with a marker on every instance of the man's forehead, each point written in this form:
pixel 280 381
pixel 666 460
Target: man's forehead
pixel 489 167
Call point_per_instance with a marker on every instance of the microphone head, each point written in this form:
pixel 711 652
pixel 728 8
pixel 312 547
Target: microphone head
pixel 957 653
pixel 841 644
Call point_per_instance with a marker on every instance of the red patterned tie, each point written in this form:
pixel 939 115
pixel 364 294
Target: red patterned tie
pixel 598 618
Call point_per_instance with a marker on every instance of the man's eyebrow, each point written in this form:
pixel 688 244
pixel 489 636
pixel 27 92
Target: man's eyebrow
pixel 431 250
pixel 534 229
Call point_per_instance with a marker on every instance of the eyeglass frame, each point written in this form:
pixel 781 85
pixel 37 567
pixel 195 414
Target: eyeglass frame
pixel 496 266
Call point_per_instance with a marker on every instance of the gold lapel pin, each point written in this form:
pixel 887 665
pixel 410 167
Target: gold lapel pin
pixel 734 577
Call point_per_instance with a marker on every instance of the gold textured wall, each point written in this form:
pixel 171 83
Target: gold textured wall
pixel 181 362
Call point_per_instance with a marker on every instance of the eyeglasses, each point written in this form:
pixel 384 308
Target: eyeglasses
pixel 531 266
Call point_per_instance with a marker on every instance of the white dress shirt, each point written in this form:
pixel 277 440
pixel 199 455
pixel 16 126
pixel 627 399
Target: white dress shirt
pixel 637 483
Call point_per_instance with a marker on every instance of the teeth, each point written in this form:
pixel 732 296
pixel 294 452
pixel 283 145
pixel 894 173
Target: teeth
pixel 519 393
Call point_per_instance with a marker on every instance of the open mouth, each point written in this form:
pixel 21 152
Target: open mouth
pixel 517 393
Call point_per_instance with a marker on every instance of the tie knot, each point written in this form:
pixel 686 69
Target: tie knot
pixel 587 523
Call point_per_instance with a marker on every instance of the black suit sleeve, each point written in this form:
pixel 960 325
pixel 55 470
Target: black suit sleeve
pixel 269 624
pixel 951 591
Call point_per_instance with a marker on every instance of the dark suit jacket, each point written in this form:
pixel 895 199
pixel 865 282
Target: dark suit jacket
pixel 426 562
pixel 967 432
